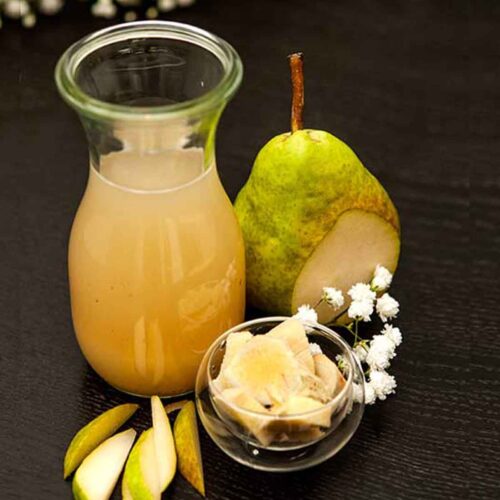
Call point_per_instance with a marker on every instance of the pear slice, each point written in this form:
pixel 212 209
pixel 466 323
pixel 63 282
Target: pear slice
pixel 94 433
pixel 187 443
pixel 96 477
pixel 302 404
pixel 140 480
pixel 313 387
pixel 234 343
pixel 175 406
pixel 293 333
pixel 164 443
pixel 348 254
pixel 256 425
pixel 266 369
pixel 329 373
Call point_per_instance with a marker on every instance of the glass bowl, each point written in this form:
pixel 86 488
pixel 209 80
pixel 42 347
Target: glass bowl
pixel 303 446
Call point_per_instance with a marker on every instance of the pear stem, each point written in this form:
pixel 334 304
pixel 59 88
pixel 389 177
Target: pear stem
pixel 297 74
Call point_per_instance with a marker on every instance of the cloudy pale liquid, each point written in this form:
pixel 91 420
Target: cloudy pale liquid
pixel 155 276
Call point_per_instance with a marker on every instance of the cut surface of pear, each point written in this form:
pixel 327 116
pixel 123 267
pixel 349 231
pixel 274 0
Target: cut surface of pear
pixel 96 477
pixel 140 480
pixel 187 443
pixel 347 255
pixel 94 433
pixel 255 424
pixel 266 369
pixel 164 443
pixel 294 334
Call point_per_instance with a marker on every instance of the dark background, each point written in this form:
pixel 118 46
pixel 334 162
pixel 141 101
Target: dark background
pixel 413 87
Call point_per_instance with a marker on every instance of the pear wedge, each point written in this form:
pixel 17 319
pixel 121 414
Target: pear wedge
pixel 140 480
pixel 175 406
pixel 164 443
pixel 96 477
pixel 293 333
pixel 94 433
pixel 187 443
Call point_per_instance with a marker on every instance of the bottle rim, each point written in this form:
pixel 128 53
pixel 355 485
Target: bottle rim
pixel 89 106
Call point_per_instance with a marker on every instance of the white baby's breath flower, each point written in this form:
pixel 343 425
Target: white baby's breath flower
pixel 382 279
pixel 315 349
pixel 50 7
pixel 360 292
pixel 166 5
pixel 382 383
pixel 333 297
pixel 357 393
pixel 393 333
pixel 361 352
pixel 29 20
pixel 387 307
pixel 104 8
pixel 16 8
pixel 306 313
pixel 381 351
pixel 360 309
pixel 370 396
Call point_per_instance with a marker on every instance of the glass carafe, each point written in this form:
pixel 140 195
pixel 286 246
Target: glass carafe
pixel 156 258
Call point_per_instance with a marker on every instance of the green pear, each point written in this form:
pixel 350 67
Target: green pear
pixel 96 477
pixel 141 479
pixel 164 443
pixel 312 216
pixel 94 433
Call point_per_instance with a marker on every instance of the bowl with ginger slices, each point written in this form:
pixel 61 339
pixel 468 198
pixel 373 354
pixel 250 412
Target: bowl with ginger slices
pixel 271 395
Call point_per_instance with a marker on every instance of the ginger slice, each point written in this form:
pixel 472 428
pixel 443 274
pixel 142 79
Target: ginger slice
pixel 293 333
pixel 266 369
pixel 329 373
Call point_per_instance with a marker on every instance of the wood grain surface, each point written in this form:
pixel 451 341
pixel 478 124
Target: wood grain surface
pixel 413 87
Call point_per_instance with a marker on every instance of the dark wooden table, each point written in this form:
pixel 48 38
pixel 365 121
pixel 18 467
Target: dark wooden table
pixel 413 87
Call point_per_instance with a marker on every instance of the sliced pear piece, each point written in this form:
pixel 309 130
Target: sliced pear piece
pixel 94 433
pixel 164 443
pixel 301 404
pixel 329 373
pixel 187 443
pixel 348 254
pixel 96 477
pixel 175 406
pixel 255 424
pixel 265 369
pixel 313 387
pixel 293 333
pixel 234 343
pixel 140 480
